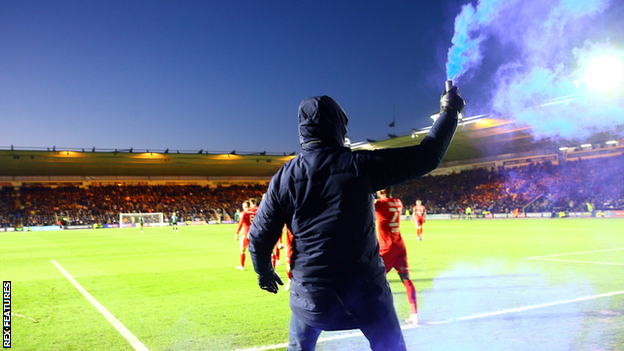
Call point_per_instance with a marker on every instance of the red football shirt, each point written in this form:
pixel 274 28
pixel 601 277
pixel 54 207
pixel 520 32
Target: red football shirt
pixel 420 210
pixel 246 220
pixel 388 214
pixel 288 245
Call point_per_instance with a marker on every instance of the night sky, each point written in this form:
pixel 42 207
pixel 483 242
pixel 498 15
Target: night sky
pixel 229 75
pixel 214 75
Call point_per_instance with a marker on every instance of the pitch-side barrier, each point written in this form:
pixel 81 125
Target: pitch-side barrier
pixel 596 214
pixel 563 214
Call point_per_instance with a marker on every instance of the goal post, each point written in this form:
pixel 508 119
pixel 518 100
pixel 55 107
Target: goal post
pixel 154 219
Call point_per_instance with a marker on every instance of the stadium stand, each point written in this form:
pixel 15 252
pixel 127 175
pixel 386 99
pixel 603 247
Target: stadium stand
pixel 569 187
pixel 492 166
pixel 32 206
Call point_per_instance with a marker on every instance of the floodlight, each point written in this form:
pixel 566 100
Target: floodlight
pixel 611 142
pixel 586 145
pixel 563 148
pixel 605 73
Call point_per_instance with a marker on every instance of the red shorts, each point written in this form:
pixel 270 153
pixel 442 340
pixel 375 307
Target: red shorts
pixel 397 259
pixel 420 220
pixel 244 241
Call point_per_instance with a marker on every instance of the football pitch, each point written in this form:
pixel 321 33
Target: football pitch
pixel 512 284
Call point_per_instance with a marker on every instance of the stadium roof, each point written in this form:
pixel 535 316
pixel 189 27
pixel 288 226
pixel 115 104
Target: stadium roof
pixel 484 136
pixel 477 137
pixel 145 163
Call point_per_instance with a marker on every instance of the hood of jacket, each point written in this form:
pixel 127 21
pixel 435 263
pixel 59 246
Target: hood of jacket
pixel 321 122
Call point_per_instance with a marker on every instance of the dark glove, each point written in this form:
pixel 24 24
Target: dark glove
pixel 452 101
pixel 269 281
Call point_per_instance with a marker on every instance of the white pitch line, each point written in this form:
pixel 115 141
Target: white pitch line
pixel 109 317
pixel 573 253
pixel 532 307
pixel 322 339
pixel 265 348
pixel 475 316
pixel 574 261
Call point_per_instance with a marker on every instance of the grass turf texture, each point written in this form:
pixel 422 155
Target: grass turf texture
pixel 180 291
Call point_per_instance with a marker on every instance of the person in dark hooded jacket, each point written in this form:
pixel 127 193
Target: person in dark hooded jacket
pixel 325 197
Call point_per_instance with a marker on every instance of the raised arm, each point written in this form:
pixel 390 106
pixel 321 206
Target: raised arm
pixel 394 166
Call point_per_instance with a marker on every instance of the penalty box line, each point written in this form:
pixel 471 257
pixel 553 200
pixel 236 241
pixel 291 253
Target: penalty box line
pixel 574 261
pixel 109 317
pixel 572 253
pixel 549 257
pixel 475 316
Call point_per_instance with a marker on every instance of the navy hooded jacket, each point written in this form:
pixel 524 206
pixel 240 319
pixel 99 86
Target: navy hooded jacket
pixel 325 196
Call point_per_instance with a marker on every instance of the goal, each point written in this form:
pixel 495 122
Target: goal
pixel 154 219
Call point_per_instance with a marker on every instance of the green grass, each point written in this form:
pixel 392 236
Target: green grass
pixel 180 291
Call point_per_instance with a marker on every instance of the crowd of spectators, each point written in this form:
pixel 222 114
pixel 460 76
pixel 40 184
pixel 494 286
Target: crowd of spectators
pixel 542 187
pixel 32 206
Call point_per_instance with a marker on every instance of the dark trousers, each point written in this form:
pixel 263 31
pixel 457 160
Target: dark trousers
pixel 383 334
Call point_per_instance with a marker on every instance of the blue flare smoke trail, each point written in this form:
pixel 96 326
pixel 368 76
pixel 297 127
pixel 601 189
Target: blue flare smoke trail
pixel 545 48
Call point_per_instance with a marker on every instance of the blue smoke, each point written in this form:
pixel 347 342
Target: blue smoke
pixel 470 32
pixel 471 289
pixel 542 51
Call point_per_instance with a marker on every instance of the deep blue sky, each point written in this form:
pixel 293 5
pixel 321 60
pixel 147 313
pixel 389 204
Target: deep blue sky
pixel 214 75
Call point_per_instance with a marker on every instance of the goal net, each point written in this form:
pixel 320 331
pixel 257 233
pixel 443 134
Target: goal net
pixel 154 219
